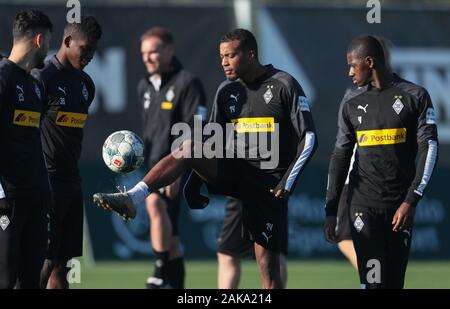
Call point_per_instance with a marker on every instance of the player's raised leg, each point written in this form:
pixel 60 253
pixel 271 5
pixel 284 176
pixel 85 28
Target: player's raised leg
pixel 162 174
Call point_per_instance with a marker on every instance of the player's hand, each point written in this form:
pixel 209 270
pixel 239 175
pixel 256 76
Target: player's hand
pixel 173 189
pixel 280 193
pixel 329 229
pixel 403 217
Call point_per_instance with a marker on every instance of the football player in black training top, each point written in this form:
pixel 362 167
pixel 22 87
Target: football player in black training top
pixel 392 121
pixel 254 99
pixel 68 93
pixel 23 177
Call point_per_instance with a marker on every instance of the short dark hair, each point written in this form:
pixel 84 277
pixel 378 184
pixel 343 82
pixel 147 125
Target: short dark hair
pixel 162 33
pixel 27 23
pixel 87 26
pixel 367 46
pixel 246 39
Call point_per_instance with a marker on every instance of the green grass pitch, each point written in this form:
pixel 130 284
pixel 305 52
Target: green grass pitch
pixel 302 274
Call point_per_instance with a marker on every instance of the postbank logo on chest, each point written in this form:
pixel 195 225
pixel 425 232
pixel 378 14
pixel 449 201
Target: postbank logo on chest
pixel 381 137
pixel 26 118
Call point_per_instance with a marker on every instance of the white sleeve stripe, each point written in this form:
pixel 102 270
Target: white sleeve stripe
pixel 306 153
pixel 350 168
pixel 2 192
pixel 429 166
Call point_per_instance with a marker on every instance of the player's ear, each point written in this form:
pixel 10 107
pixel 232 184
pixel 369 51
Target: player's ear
pixel 370 62
pixel 67 40
pixel 38 39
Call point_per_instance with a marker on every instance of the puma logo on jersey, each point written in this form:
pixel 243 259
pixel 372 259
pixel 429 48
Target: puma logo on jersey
pixel 63 90
pixel 408 236
pixel 234 97
pixel 363 108
pixel 21 93
pixel 266 236
pixel 20 88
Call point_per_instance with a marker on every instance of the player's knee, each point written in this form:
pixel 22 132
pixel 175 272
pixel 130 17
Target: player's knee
pixel 225 259
pixel 155 205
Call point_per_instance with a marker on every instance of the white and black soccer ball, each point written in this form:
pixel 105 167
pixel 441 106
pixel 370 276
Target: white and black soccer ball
pixel 123 151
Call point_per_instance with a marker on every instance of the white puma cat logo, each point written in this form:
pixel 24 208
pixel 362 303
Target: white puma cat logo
pixel 363 108
pixel 63 90
pixel 235 97
pixel 20 88
pixel 408 233
pixel 267 237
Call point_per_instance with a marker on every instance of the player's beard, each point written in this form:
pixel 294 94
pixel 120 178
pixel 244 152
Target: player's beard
pixel 233 77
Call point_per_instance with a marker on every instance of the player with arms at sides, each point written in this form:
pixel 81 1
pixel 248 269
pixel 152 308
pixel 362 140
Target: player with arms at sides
pixel 343 223
pixel 169 94
pixel 392 121
pixel 24 197
pixel 68 93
